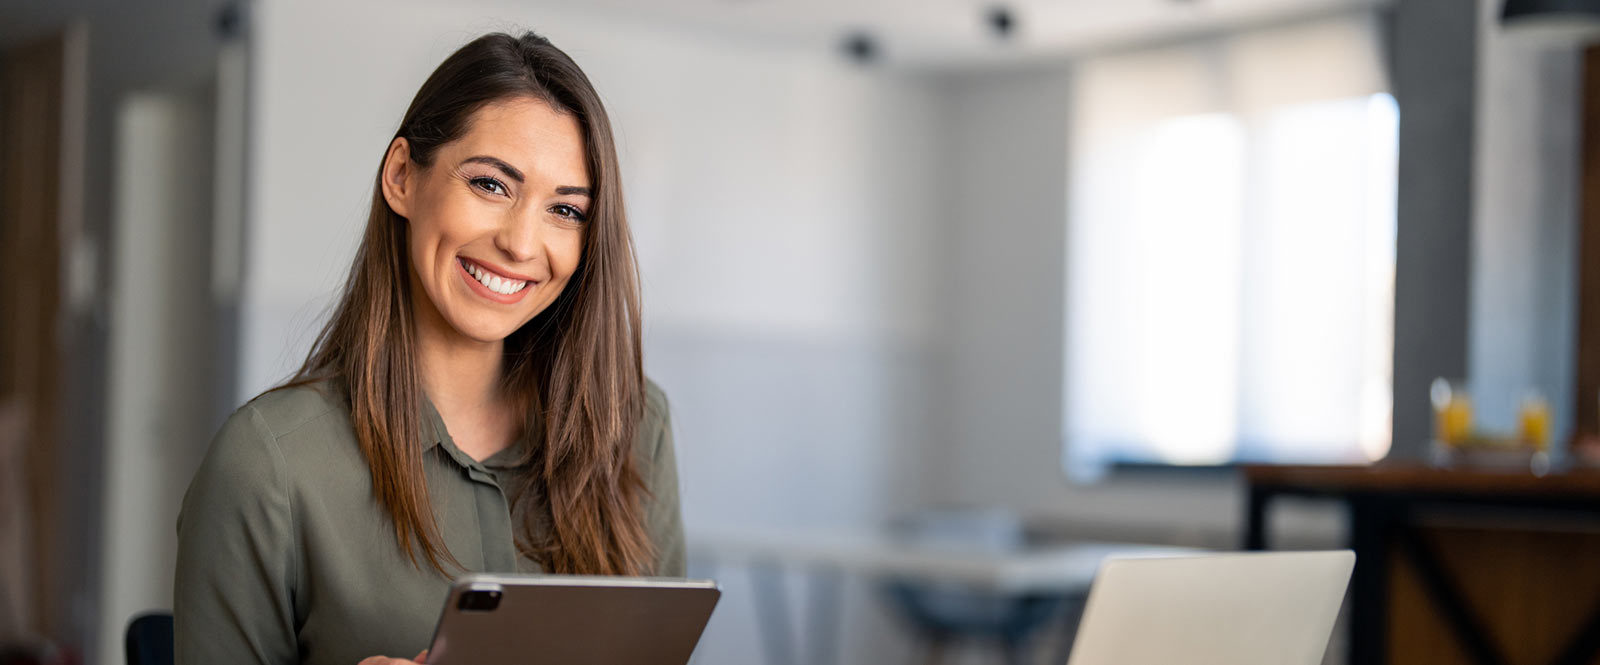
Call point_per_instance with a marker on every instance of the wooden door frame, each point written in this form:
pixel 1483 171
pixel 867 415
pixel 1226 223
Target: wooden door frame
pixel 31 151
pixel 1586 411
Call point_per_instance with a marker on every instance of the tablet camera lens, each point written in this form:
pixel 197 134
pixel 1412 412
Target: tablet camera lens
pixel 480 601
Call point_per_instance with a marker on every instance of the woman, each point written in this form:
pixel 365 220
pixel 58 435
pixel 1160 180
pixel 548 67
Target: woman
pixel 476 402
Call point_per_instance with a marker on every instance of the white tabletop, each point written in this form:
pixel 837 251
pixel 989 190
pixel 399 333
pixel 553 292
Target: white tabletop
pixel 1043 568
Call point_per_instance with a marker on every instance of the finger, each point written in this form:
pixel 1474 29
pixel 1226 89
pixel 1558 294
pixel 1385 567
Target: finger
pixel 422 657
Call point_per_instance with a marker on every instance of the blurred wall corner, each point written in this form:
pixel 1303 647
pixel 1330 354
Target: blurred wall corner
pixel 1435 83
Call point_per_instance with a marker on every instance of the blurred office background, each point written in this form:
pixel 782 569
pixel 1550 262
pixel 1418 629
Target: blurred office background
pixel 1067 260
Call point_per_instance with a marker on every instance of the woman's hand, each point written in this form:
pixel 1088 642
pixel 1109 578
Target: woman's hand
pixel 420 659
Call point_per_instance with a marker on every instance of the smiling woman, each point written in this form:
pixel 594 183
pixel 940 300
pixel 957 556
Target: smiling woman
pixel 476 403
pixel 493 239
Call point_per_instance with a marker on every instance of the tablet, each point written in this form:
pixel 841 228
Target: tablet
pixel 571 620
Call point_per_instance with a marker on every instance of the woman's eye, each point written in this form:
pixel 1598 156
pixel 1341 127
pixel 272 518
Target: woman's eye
pixel 490 185
pixel 569 212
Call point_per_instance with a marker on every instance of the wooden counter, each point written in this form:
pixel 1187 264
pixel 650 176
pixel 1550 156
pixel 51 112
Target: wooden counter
pixel 1487 567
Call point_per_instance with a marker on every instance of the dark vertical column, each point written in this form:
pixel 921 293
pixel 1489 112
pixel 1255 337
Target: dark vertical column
pixel 1435 80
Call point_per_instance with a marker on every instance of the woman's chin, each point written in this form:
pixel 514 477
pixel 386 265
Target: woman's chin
pixel 485 332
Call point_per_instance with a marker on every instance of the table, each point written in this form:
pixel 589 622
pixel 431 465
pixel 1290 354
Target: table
pixel 1384 502
pixel 827 554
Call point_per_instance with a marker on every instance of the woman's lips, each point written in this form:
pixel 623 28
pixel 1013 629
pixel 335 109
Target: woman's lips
pixel 493 285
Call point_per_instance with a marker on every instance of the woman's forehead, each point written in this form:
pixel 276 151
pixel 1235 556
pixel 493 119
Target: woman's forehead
pixel 530 135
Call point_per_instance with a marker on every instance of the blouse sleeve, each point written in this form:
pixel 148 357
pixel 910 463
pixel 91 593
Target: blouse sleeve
pixel 664 517
pixel 232 599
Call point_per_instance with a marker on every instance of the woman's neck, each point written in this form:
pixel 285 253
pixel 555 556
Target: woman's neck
pixel 459 371
pixel 461 376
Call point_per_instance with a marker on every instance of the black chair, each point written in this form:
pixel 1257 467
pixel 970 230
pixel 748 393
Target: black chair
pixel 943 614
pixel 149 639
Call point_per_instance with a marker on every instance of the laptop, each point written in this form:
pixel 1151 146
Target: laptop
pixel 1254 608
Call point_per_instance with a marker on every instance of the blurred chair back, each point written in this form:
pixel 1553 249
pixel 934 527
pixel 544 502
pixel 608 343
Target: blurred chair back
pixel 943 613
pixel 149 639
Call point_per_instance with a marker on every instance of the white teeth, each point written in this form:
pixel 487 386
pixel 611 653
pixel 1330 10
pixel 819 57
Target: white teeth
pixel 495 283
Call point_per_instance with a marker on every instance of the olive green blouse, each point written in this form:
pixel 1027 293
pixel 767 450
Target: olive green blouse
pixel 284 556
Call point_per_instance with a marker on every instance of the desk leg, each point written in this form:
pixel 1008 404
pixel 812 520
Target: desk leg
pixel 1369 583
pixel 1255 519
pixel 772 613
pixel 1470 632
pixel 826 614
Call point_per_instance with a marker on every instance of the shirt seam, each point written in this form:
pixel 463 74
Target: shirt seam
pixel 655 400
pixel 324 408
pixel 325 412
pixel 288 497
pixel 661 419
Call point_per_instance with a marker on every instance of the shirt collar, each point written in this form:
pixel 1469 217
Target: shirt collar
pixel 435 434
pixel 433 430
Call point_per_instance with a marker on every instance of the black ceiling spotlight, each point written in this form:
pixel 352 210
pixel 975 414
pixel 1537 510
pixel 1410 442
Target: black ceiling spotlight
pixel 232 20
pixel 1561 21
pixel 1002 21
pixel 861 47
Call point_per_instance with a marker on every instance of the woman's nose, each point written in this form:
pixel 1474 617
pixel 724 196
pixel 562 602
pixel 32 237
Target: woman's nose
pixel 519 236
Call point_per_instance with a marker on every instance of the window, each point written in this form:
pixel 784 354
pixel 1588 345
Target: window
pixel 1230 252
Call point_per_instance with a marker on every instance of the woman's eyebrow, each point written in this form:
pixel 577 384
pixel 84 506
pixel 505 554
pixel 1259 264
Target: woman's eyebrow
pixel 514 174
pixel 510 171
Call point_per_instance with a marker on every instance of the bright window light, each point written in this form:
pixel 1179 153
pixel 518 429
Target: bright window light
pixel 1230 278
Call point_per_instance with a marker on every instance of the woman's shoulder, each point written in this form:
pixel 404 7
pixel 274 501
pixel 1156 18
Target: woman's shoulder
pixel 247 465
pixel 655 405
pixel 287 409
pixel 655 427
pixel 283 423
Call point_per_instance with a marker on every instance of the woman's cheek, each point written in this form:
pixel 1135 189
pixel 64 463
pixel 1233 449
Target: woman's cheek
pixel 571 254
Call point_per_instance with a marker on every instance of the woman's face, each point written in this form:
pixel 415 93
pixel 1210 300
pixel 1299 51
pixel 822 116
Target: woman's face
pixel 497 220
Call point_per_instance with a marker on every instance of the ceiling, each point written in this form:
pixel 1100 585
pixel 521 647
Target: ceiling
pixel 957 32
pixel 938 33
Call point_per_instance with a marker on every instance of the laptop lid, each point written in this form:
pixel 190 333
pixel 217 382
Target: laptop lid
pixel 1256 608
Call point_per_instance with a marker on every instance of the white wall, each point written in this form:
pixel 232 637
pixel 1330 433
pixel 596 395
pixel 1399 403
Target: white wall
pixel 783 203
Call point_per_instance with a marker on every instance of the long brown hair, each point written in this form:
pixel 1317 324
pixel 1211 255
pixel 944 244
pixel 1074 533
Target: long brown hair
pixel 575 368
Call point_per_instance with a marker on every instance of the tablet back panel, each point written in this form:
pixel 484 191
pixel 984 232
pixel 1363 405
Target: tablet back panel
pixel 1274 608
pixel 573 620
